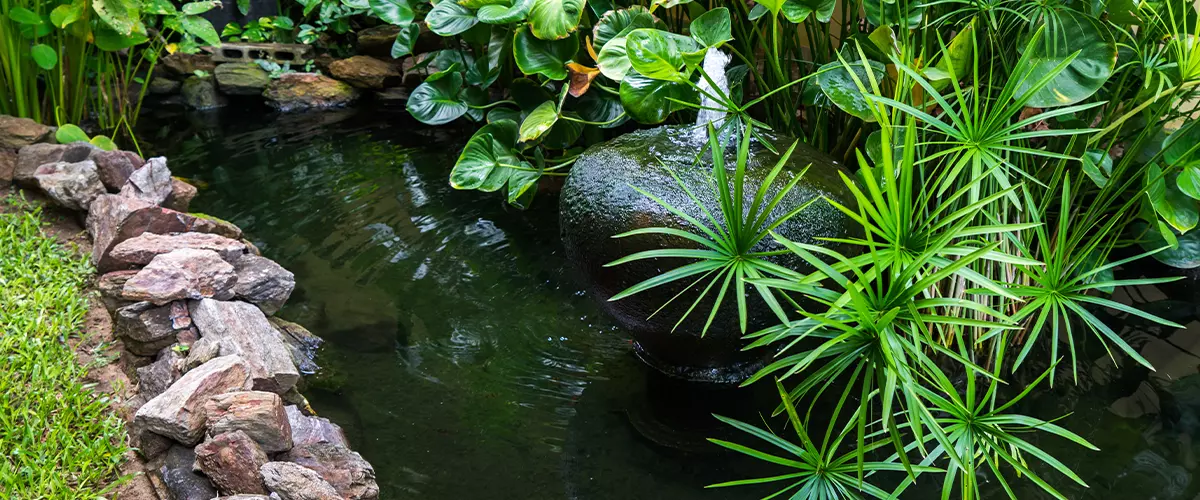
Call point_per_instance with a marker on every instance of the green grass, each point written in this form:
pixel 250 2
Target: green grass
pixel 58 438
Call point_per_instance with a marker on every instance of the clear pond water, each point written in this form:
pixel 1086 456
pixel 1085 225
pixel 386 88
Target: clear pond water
pixel 465 360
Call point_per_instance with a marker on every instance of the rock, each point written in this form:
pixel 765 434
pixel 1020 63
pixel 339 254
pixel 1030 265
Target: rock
pixel 114 219
pixel 221 226
pixel 201 93
pixel 110 286
pixel 182 195
pixel 302 344
pixel 184 65
pixel 366 72
pixel 262 282
pixel 149 444
pixel 187 273
pixel 156 377
pixel 598 200
pixel 259 414
pixel 8 166
pixel 296 482
pixel 140 250
pixel 296 91
pixel 231 461
pixel 394 96
pixel 115 167
pixel 345 470
pixel 203 350
pixel 377 41
pixel 151 183
pixel 163 86
pixel 145 328
pixel 29 158
pixel 71 185
pixel 243 329
pixel 178 413
pixel 242 78
pixel 248 497
pixel 16 133
pixel 308 430
pixel 179 479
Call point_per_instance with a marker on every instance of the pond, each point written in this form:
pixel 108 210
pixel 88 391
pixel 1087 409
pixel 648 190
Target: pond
pixel 465 361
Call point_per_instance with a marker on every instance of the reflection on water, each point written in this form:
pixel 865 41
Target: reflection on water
pixel 465 362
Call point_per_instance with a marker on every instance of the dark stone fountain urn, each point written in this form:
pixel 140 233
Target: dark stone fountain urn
pixel 599 201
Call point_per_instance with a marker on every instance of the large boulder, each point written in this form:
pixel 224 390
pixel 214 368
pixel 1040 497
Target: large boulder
pixel 160 85
pixel 295 482
pixel 201 93
pixel 145 328
pixel 71 185
pixel 366 72
pixel 259 414
pixel 113 219
pixel 115 167
pixel 151 183
pixel 298 91
pixel 242 78
pixel 243 329
pixel 231 461
pixel 345 470
pixel 308 429
pixel 29 158
pixel 140 250
pixel 187 273
pixel 178 413
pixel 599 201
pixel 262 282
pixel 8 166
pixel 16 133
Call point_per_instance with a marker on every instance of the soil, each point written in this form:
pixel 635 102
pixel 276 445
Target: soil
pixel 97 347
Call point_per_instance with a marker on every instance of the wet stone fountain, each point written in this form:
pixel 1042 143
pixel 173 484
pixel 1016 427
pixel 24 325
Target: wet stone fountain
pixel 599 200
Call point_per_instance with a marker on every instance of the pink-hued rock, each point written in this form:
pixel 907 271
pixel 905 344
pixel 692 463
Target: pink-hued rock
pixel 181 197
pixel 178 413
pixel 71 185
pixel 186 273
pixel 262 282
pixel 114 167
pixel 295 482
pixel 345 470
pixel 311 430
pixel 231 461
pixel 113 219
pixel 16 133
pixel 243 329
pixel 140 250
pixel 259 414
pixel 29 158
pixel 151 183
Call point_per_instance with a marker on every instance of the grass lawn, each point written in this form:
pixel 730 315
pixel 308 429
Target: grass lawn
pixel 58 438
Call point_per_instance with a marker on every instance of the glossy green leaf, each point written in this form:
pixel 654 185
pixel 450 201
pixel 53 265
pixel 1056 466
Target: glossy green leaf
pixel 103 142
pixel 1071 32
pixel 539 121
pixel 902 12
pixel 772 6
pixel 839 86
pixel 653 54
pixel 666 4
pixel 44 55
pixel 648 100
pixel 1182 146
pixel 797 11
pixel 505 13
pixel 197 8
pixel 555 19
pixel 397 12
pixel 712 28
pixel 1189 181
pixel 1175 207
pixel 111 41
pixel 69 133
pixel 476 4
pixel 1097 165
pixel 123 16
pixel 601 107
pixel 1184 250
pixel 405 40
pixel 64 15
pixel 24 16
pixel 502 113
pixel 620 22
pixel 436 101
pixel 956 60
pixel 200 28
pixel 448 19
pixel 535 56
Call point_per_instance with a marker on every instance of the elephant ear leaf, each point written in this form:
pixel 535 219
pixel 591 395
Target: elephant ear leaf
pixel 503 13
pixel 544 57
pixel 610 34
pixel 839 85
pixel 1073 34
pixel 712 28
pixel 555 19
pixel 448 19
pixel 397 12
pixel 437 101
pixel 123 16
pixel 650 100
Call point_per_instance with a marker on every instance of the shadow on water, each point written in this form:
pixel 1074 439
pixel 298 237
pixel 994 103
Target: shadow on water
pixel 465 361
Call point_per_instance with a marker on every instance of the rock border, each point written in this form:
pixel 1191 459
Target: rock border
pixel 216 411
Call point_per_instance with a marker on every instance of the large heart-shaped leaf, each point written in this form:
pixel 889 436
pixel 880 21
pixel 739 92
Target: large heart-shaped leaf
pixel 772 6
pixel 839 86
pixel 555 19
pixel 539 121
pixel 1182 147
pixel 545 57
pixel 448 18
pixel 712 28
pixel 903 12
pixel 654 54
pixel 201 28
pixel 69 133
pixel 1189 181
pixel 1184 253
pixel 1070 33
pixel 797 11
pixel 618 22
pixel 437 100
pixel 1175 207
pixel 123 16
pixel 648 100
pixel 397 12
pixel 488 164
pixel 406 39
pixel 504 13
